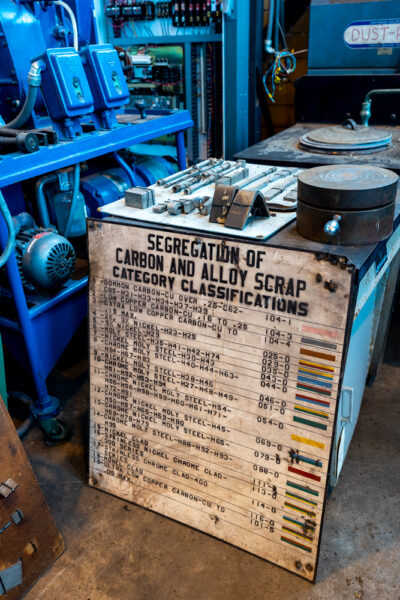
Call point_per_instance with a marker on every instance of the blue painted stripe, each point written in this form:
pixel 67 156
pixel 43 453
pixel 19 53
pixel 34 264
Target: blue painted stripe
pixel 314 381
pixel 317 402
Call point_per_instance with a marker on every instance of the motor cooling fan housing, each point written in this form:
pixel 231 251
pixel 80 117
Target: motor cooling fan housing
pixel 46 260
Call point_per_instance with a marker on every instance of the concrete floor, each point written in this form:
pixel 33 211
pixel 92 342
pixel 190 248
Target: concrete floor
pixel 116 551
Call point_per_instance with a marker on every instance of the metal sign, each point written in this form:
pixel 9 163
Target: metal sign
pixel 372 34
pixel 214 372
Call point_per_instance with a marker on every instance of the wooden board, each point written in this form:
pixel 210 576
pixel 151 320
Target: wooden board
pixel 214 371
pixel 35 540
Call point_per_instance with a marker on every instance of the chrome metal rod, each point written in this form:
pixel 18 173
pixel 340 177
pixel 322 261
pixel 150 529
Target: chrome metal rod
pixel 191 169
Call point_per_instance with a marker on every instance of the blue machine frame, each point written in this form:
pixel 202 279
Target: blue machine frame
pixel 42 326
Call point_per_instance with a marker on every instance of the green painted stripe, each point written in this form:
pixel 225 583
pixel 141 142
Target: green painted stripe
pixel 309 388
pixel 302 488
pixel 301 498
pixel 296 522
pixel 284 539
pixel 311 423
pixel 300 509
pixel 311 412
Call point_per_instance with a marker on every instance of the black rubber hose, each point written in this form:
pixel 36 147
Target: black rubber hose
pixel 34 82
pixel 25 111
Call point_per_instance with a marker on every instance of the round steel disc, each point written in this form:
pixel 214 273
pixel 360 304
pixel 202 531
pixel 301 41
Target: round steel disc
pixel 356 227
pixel 348 187
pixel 342 139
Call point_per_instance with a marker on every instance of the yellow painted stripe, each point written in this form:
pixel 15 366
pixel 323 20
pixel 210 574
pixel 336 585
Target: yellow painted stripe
pixel 299 499
pixel 303 537
pixel 307 370
pixel 303 440
pixel 312 411
pixel 300 510
pixel 314 364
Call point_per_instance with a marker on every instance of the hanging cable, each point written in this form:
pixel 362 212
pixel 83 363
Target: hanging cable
pixel 72 18
pixel 284 64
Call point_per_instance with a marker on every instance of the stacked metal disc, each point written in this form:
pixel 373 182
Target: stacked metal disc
pixel 346 204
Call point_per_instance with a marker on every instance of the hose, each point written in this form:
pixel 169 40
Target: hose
pixel 276 29
pixel 124 165
pixel 365 113
pixel 72 18
pixel 11 233
pixel 34 81
pixel 75 193
pixel 41 200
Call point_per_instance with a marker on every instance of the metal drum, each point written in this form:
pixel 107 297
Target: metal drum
pixel 346 204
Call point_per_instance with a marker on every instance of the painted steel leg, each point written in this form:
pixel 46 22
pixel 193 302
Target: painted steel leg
pixel 44 404
pixel 180 150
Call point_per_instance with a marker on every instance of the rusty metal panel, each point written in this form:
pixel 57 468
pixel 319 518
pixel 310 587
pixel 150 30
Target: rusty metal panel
pixel 215 369
pixel 29 539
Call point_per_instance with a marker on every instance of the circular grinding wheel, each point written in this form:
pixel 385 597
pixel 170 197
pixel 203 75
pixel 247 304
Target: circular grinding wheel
pixel 347 187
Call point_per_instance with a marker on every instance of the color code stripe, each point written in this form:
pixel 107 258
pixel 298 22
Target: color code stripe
pixel 302 488
pixel 310 388
pixel 298 523
pixel 313 381
pixel 297 534
pixel 304 440
pixel 319 331
pixel 299 509
pixel 310 411
pixel 315 365
pixel 320 343
pixel 284 539
pixel 306 352
pixel 304 398
pixel 309 461
pixel 300 498
pixel 315 373
pixel 304 473
pixel 310 423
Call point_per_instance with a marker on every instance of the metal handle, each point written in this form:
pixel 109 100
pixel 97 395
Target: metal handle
pixel 332 227
pixel 350 124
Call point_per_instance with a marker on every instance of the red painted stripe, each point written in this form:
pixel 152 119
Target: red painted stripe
pixel 322 355
pixel 300 472
pixel 318 331
pixel 311 388
pixel 304 397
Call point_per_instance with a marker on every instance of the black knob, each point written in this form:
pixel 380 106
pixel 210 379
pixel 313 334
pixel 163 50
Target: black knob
pixel 140 105
pixel 27 142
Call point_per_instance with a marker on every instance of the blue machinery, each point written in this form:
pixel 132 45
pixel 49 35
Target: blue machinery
pixel 68 112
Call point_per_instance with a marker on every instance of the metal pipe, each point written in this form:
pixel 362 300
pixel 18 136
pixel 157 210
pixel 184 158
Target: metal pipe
pixel 203 98
pixel 261 175
pixel 8 247
pixel 41 199
pixel 75 194
pixel 174 176
pixel 194 171
pixel 365 113
pixel 124 165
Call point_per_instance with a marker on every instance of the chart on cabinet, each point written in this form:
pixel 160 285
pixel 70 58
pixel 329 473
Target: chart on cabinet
pixel 214 374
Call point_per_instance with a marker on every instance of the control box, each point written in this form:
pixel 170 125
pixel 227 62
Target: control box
pixel 106 77
pixel 64 84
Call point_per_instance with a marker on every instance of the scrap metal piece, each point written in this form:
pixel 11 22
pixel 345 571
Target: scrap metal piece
pixel 246 203
pixel 188 206
pixel 17 516
pixel 160 208
pixel 175 207
pixel 222 201
pixel 139 197
pixel 7 487
pixel 205 207
pixel 234 176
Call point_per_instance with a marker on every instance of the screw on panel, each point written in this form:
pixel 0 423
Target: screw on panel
pixel 298 565
pixel 309 567
pixel 318 277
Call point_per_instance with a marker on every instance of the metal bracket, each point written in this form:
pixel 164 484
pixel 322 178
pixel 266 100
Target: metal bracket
pixel 11 577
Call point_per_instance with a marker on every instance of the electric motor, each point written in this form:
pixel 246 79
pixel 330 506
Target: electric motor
pixel 46 260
